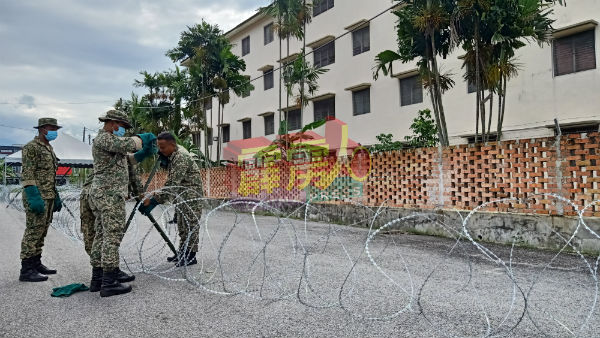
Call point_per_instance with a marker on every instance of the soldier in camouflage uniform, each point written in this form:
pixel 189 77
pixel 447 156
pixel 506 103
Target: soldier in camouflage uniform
pixel 107 195
pixel 40 199
pixel 86 216
pixel 185 191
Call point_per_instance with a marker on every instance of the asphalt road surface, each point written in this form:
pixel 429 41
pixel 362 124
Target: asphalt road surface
pixel 420 287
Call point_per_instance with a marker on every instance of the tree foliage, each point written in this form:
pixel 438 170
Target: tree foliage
pixel 424 131
pixel 386 143
pixel 490 31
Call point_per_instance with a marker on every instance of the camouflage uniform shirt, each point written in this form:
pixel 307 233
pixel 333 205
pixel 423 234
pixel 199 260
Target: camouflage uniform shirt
pixel 110 163
pixel 39 167
pixel 183 173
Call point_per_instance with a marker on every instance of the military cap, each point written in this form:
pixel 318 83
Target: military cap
pixel 47 121
pixel 116 115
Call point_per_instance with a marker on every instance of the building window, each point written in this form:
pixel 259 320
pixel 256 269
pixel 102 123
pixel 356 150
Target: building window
pixel 578 129
pixel 270 125
pixel 492 138
pixel 361 101
pixel 208 104
pixel 268 33
pixel 294 119
pixel 361 41
pixel 320 6
pixel 324 55
pixel 574 53
pixel 209 136
pixel 411 90
pixel 246 46
pixel 268 79
pixel 471 85
pixel 225 132
pixel 324 109
pixel 247 129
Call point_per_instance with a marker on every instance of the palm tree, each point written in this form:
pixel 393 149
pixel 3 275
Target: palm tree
pixel 491 31
pixel 300 73
pixel 228 78
pixel 292 17
pixel 424 33
pixel 200 45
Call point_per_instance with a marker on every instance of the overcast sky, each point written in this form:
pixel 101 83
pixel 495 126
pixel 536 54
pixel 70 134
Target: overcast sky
pixel 58 52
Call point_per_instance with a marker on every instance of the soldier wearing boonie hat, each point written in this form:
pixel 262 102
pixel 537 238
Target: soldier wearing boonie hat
pixel 40 199
pixel 112 153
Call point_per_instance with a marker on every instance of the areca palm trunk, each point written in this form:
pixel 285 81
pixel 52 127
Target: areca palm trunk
pixel 434 100
pixel 501 114
pixel 477 84
pixel 489 127
pixel 220 113
pixel 280 75
pixel 438 94
pixel 287 94
pixel 303 64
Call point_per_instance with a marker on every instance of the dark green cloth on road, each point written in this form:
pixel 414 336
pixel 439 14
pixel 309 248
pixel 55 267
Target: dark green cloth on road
pixel 67 290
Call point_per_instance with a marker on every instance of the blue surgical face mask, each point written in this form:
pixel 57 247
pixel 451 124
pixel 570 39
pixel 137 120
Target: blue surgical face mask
pixel 120 132
pixel 51 135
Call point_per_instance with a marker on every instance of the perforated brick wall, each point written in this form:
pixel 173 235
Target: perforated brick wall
pixel 459 177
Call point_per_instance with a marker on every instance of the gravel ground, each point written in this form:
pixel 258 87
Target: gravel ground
pixel 420 287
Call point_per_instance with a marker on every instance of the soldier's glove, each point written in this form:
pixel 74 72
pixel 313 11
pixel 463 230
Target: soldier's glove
pixel 146 210
pixel 148 139
pixel 164 161
pixel 57 203
pixel 34 199
pixel 149 147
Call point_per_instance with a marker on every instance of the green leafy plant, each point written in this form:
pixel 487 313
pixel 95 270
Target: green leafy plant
pixel 299 73
pixel 424 131
pixel 386 143
pixel 287 143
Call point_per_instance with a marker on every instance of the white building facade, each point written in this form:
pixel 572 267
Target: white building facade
pixel 560 80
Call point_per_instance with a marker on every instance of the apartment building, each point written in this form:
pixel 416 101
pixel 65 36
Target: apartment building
pixel 560 80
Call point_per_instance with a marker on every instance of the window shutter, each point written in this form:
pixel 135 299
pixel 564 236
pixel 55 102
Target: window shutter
pixel 585 54
pixel 405 92
pixel 563 56
pixel 574 53
pixel 417 90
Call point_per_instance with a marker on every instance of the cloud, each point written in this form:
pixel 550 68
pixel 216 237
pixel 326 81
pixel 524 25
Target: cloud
pixel 58 54
pixel 27 100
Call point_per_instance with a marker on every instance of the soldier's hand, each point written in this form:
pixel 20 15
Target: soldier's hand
pixel 148 205
pixel 57 203
pixel 147 139
pixel 164 161
pixel 34 199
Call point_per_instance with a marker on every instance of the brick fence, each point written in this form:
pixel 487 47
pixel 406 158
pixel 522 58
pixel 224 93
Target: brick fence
pixel 457 177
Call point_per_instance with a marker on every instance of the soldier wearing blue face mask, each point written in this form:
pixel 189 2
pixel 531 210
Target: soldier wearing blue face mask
pixel 112 152
pixel 40 199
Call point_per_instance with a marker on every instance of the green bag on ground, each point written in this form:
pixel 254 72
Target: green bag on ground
pixel 67 290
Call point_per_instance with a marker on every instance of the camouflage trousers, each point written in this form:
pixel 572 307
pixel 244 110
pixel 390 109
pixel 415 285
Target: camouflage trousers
pixel 188 225
pixel 36 228
pixel 109 226
pixel 86 216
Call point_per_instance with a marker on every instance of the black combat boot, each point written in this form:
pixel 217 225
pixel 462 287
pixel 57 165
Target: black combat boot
pixel 173 258
pixel 41 268
pixel 110 285
pixel 123 277
pixel 188 259
pixel 96 282
pixel 29 273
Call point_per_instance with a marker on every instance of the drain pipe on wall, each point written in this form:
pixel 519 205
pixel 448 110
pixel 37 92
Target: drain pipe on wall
pixel 559 174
